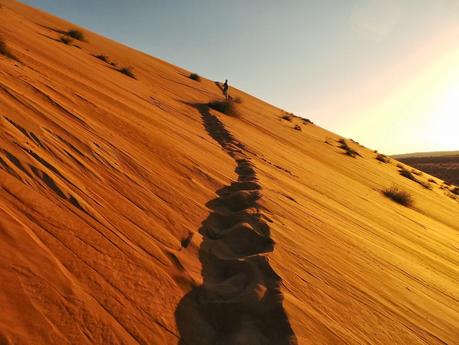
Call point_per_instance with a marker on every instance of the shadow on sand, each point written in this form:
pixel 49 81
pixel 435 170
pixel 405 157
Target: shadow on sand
pixel 239 302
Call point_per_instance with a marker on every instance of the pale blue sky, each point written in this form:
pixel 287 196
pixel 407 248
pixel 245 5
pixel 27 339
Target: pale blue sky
pixel 337 62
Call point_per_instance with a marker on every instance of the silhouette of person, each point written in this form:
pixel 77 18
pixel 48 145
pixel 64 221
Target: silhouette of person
pixel 225 89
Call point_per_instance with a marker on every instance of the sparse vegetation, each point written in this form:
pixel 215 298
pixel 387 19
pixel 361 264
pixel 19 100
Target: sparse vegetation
pixel 76 34
pixel 225 107
pixel 399 196
pixel 382 158
pixel 102 57
pixel 297 128
pixel 195 76
pixel 127 71
pixel 4 50
pixel 348 150
pixel 408 174
pixel 66 40
pixel 287 117
pixel 431 180
pixel 307 122
pixel 455 190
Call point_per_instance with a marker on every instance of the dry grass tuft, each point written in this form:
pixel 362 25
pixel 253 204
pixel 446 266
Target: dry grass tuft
pixel 348 150
pixel 127 71
pixel 382 158
pixel 227 107
pixel 399 196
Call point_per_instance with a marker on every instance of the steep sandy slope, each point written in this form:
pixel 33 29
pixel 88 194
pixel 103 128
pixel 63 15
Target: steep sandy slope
pixel 131 213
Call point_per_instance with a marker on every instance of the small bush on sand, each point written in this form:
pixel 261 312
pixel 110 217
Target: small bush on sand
pixel 287 117
pixel 431 180
pixel 76 34
pixel 382 158
pixel 6 52
pixel 410 176
pixel 425 184
pixel 66 40
pixel 348 150
pixel 407 174
pixel 399 196
pixel 195 76
pixel 455 190
pixel 297 128
pixel 127 71
pixel 225 107
pixel 104 58
pixel 307 122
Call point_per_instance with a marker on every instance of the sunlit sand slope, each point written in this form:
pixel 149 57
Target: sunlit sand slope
pixel 132 213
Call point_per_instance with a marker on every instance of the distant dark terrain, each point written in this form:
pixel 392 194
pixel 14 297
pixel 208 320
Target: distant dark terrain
pixel 444 165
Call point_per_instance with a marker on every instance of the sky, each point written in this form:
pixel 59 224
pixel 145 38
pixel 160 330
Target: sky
pixel 382 72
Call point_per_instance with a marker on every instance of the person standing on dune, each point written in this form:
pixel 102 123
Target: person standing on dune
pixel 225 89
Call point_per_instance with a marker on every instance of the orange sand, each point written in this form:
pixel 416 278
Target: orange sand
pixel 108 184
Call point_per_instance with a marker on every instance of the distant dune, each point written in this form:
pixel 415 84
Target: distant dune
pixel 132 212
pixel 444 165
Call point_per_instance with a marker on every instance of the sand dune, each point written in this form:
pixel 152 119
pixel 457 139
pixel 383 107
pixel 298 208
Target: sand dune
pixel 132 213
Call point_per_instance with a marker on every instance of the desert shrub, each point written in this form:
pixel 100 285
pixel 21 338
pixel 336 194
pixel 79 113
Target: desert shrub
pixel 399 196
pixel 425 184
pixel 375 151
pixel 297 128
pixel 104 58
pixel 382 158
pixel 127 71
pixel 4 50
pixel 287 117
pixel 195 76
pixel 455 190
pixel 307 122
pixel 65 39
pixel 447 183
pixel 407 174
pixel 431 180
pixel 348 150
pixel 76 34
pixel 226 107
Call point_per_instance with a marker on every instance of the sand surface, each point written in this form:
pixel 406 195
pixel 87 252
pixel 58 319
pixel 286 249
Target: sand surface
pixel 131 213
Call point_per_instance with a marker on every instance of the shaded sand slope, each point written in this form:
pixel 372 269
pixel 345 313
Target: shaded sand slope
pixel 116 226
